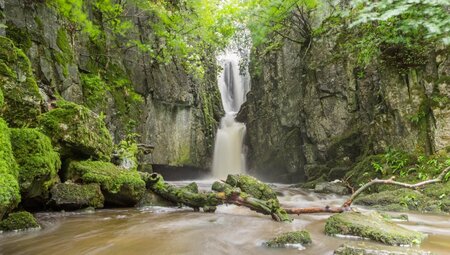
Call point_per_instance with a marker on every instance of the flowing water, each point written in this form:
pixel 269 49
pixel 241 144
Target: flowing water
pixel 171 231
pixel 234 84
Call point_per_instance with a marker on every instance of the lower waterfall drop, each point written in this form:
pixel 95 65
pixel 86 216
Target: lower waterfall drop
pixel 234 83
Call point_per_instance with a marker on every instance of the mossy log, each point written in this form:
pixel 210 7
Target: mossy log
pixel 224 194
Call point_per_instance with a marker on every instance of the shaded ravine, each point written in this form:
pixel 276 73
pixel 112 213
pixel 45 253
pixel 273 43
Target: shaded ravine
pixel 231 230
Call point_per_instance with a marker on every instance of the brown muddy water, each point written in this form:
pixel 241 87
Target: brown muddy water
pixel 231 230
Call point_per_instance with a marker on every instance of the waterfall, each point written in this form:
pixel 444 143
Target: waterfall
pixel 234 84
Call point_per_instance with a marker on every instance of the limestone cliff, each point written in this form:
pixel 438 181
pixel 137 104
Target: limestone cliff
pixel 163 104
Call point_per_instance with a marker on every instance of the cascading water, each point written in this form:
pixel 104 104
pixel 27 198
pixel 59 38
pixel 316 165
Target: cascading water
pixel 234 85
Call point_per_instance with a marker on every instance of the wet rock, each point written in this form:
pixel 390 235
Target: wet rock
pixel 371 249
pixel 296 239
pixel 119 186
pixel 251 186
pixel 77 131
pixel 9 185
pixel 19 221
pixel 70 196
pixel 335 187
pixel 151 199
pixel 372 226
pixel 38 164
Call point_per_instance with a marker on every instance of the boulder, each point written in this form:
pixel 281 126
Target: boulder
pixel 297 239
pixel 335 187
pixel 9 185
pixel 38 164
pixel 372 226
pixel 119 186
pixel 22 100
pixel 77 131
pixel 151 199
pixel 19 221
pixel 71 196
pixel 252 186
pixel 372 249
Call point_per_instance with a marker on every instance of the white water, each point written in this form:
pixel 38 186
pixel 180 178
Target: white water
pixel 229 157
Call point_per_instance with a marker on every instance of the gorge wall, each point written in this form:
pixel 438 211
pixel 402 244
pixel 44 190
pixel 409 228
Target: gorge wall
pixel 161 103
pixel 312 113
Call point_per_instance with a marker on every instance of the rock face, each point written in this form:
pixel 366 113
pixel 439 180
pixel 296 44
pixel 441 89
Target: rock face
pixel 165 105
pixel 71 196
pixel 373 226
pixel 38 164
pixel 310 111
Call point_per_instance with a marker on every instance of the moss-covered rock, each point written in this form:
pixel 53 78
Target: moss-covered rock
pixel 9 185
pixel 38 163
pixel 19 221
pixel 77 131
pixel 395 200
pixel 2 98
pixel 252 186
pixel 22 100
pixel 295 238
pixel 151 199
pixel 120 187
pixel 332 187
pixel 371 249
pixel 373 226
pixel 71 196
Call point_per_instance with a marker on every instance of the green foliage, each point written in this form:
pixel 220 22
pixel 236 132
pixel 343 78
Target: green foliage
pixel 38 162
pixel 19 221
pixel 19 35
pixel 94 89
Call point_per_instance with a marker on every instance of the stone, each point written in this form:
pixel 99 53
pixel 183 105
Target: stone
pixel 19 221
pixel 373 226
pixel 335 187
pixel 151 199
pixel 119 186
pixel 77 131
pixel 38 164
pixel 297 239
pixel 252 186
pixel 71 196
pixel 372 249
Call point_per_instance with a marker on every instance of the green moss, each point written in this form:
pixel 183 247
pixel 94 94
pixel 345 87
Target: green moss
pixel 363 171
pixel 65 56
pixel 38 161
pixel 9 186
pixel 19 221
pixel 290 238
pixel 70 196
pixel 2 99
pixel 400 199
pixel 77 131
pixel 21 93
pixel 94 89
pixel 19 35
pixel 113 179
pixel 252 186
pixel 372 226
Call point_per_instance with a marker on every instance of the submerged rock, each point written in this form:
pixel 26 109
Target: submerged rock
pixel 297 239
pixel 38 165
pixel 77 131
pixel 371 249
pixel 372 226
pixel 70 196
pixel 251 186
pixel 336 187
pixel 119 186
pixel 19 221
pixel 9 185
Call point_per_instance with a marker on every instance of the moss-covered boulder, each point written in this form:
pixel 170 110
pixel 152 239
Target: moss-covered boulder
pixel 19 221
pixel 22 100
pixel 71 196
pixel 77 131
pixel 119 186
pixel 9 185
pixel 295 239
pixel 334 187
pixel 252 186
pixel 372 249
pixel 38 164
pixel 373 226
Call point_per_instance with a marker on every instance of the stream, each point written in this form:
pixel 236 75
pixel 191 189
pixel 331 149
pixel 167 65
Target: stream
pixel 230 230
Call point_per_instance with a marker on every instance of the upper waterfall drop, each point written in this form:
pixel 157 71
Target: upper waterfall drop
pixel 234 83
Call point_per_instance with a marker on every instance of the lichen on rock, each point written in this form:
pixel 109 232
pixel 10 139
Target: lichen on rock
pixel 38 162
pixel 71 196
pixel 77 131
pixel 19 221
pixel 120 187
pixel 295 238
pixel 373 226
